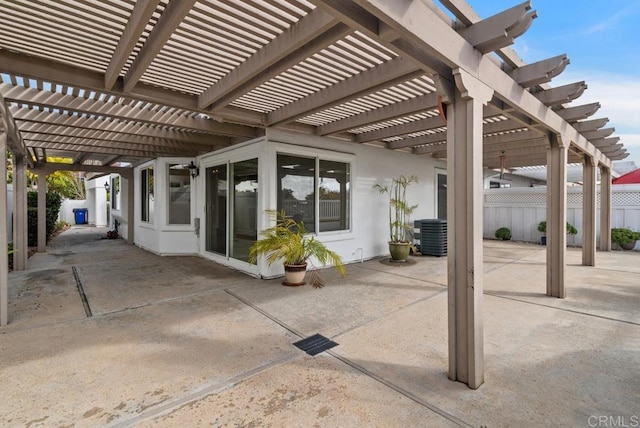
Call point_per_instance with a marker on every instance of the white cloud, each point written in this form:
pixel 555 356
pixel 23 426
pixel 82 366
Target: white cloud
pixel 609 22
pixel 614 20
pixel 632 144
pixel 619 96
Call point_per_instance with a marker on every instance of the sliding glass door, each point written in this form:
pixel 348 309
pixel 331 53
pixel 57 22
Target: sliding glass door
pixel 216 209
pixel 231 198
pixel 244 208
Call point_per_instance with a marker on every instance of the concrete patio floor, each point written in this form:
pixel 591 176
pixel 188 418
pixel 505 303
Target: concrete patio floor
pixel 181 341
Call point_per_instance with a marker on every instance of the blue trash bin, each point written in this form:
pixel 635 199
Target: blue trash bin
pixel 81 215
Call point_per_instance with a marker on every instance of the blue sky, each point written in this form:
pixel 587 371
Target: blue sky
pixel 601 39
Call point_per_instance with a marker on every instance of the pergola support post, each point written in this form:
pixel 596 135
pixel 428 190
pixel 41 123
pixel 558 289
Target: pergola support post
pixel 130 209
pixel 20 243
pixel 589 212
pixel 42 212
pixel 4 239
pixel 605 208
pixel 557 153
pixel 464 230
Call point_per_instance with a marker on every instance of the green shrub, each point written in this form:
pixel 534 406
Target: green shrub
pixel 54 201
pixel 624 236
pixel 503 233
pixel 571 230
pixel 10 251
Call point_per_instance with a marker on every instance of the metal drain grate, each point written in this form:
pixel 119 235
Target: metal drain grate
pixel 315 344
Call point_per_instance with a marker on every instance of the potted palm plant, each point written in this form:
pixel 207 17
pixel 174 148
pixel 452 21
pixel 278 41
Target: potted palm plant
pixel 289 241
pixel 400 227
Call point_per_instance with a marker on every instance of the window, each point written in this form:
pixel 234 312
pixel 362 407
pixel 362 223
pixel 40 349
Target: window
pixel 333 195
pixel 146 193
pixel 296 188
pixel 179 194
pixel 314 191
pixel 114 193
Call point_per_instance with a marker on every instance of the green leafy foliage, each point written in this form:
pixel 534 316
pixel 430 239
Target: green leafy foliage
pixel 624 236
pixel 571 230
pixel 503 233
pixel 54 201
pixel 10 251
pixel 68 184
pixel 399 209
pixel 289 241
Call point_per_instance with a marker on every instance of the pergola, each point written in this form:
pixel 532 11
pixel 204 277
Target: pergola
pixel 118 82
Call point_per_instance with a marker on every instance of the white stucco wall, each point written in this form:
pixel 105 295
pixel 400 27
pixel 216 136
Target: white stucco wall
pixel 95 203
pixel 157 235
pixel 66 209
pixel 368 235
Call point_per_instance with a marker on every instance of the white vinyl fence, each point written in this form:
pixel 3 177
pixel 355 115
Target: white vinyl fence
pixel 521 209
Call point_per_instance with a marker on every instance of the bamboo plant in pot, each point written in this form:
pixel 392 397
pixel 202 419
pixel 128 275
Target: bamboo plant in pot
pixel 289 241
pixel 400 226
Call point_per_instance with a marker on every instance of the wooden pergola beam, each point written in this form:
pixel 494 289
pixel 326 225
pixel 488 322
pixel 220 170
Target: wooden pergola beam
pixel 68 75
pixel 142 12
pixel 172 16
pixel 48 168
pixel 387 74
pixel 70 103
pixel 78 126
pixel 310 34
pixel 391 111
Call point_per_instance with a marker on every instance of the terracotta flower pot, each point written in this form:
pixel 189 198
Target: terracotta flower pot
pixel 294 274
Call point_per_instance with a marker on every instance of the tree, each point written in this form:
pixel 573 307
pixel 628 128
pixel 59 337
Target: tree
pixel 68 184
pixel 9 167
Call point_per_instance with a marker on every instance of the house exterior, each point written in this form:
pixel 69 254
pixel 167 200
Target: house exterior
pixel 219 213
pixel 290 104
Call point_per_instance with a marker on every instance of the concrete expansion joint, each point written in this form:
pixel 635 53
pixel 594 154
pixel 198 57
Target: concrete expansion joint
pixel 395 274
pixel 400 390
pixel 204 391
pixel 561 309
pixel 356 366
pixel 371 321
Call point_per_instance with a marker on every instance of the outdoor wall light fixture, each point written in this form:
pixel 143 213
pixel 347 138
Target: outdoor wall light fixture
pixel 193 169
pixel 107 187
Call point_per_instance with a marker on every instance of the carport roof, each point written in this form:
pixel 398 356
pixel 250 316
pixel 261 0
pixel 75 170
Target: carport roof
pixel 114 81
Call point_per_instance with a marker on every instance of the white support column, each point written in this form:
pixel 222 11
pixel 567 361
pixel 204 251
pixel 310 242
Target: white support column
pixel 20 244
pixel 605 208
pixel 557 153
pixel 130 209
pixel 464 212
pixel 589 212
pixel 4 239
pixel 42 212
